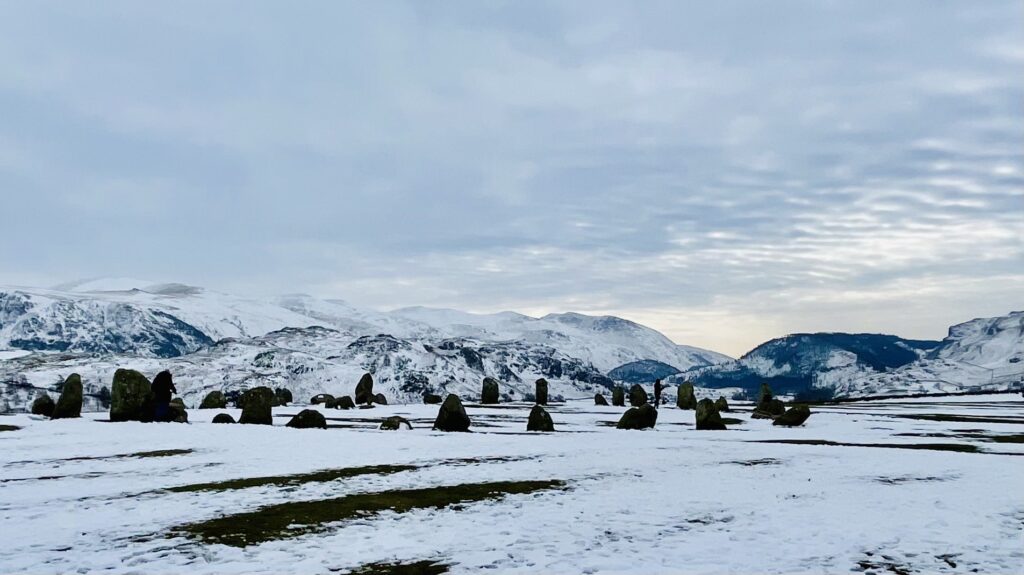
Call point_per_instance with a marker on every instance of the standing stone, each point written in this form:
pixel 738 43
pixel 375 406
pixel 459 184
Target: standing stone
pixel 43 405
pixel 324 398
pixel 256 406
pixel 177 412
pixel 637 395
pixel 395 423
pixel 431 398
pixel 542 391
pixel 223 418
pixel 794 416
pixel 707 416
pixel 539 420
pixel 214 400
pixel 619 396
pixel 721 404
pixel 489 391
pixel 685 399
pixel 306 419
pixel 600 400
pixel 131 398
pixel 452 416
pixel 282 396
pixel 379 399
pixel 69 404
pixel 364 390
pixel 345 402
pixel 767 406
pixel 643 417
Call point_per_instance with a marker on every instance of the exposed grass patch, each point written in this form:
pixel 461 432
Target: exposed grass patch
pixel 958 447
pixel 415 568
pixel 293 480
pixel 958 418
pixel 297 518
pixel 9 428
pixel 981 436
pixel 912 479
pixel 136 455
pixel 754 462
pixel 732 421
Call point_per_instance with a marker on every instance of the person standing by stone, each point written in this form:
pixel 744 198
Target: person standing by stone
pixel 163 388
pixel 658 387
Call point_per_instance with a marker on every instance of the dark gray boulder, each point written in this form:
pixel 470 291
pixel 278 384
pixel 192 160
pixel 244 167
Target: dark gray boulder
pixel 364 390
pixel 308 419
pixel 379 399
pixel 767 406
pixel 43 405
pixel 721 404
pixel 256 406
pixel 223 418
pixel 600 400
pixel 794 416
pixel 541 391
pixel 69 404
pixel 643 417
pixel 619 396
pixel 452 415
pixel 685 399
pixel 395 423
pixel 431 398
pixel 214 400
pixel 637 395
pixel 324 398
pixel 345 402
pixel 489 391
pixel 177 412
pixel 131 398
pixel 707 416
pixel 539 420
pixel 282 396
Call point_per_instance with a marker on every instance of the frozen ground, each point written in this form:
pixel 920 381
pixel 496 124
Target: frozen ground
pixel 672 500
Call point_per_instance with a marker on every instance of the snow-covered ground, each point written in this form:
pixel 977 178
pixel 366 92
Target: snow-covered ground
pixel 670 500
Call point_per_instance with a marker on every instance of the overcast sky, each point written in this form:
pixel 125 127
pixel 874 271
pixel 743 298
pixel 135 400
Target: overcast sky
pixel 726 172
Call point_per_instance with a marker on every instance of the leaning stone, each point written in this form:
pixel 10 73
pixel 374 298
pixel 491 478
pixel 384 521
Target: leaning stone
pixel 707 416
pixel 308 419
pixel 364 389
pixel 178 413
pixel 257 403
pixel 131 397
pixel 452 415
pixel 600 400
pixel 721 404
pixel 223 418
pixel 394 423
pixel 685 399
pixel 324 398
pixel 619 397
pixel 539 420
pixel 379 399
pixel 43 405
pixel 637 395
pixel 542 391
pixel 214 400
pixel 794 416
pixel 643 417
pixel 69 404
pixel 489 391
pixel 431 398
pixel 345 402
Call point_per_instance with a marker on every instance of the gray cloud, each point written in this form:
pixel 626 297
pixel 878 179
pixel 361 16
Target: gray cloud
pixel 725 172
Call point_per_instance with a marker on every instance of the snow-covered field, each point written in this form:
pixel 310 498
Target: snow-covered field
pixel 76 497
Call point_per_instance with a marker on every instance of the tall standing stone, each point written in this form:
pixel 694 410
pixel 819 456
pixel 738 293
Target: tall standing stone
pixel 767 406
pixel 214 400
pixel 539 420
pixel 542 391
pixel 722 404
pixel 489 391
pixel 131 397
pixel 685 399
pixel 637 395
pixel 707 416
pixel 69 404
pixel 43 405
pixel 619 396
pixel 452 415
pixel 256 406
pixel 364 390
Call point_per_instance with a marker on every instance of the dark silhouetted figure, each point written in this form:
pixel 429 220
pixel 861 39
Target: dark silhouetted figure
pixel 657 392
pixel 163 388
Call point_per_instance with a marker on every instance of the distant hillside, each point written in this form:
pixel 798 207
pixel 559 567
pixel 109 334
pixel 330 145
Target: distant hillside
pixel 643 371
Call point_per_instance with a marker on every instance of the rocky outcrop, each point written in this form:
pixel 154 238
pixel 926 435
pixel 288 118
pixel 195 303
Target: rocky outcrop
pixel 637 395
pixel 643 417
pixel 256 406
pixel 131 398
pixel 214 400
pixel 794 416
pixel 539 420
pixel 600 400
pixel 69 404
pixel 43 405
pixel 541 391
pixel 489 391
pixel 452 415
pixel 308 419
pixel 364 390
pixel 707 416
pixel 685 398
